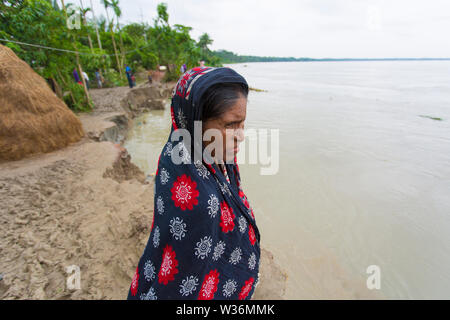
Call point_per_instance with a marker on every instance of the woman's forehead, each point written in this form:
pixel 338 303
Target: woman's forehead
pixel 237 112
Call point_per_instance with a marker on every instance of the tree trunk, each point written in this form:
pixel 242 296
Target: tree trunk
pixel 88 99
pixel 98 37
pixel 115 53
pixel 56 87
pixel 64 83
pixel 122 50
pixel 86 92
pixel 85 24
pixel 96 28
pixel 114 43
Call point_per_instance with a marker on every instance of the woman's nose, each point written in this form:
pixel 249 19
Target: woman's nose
pixel 239 134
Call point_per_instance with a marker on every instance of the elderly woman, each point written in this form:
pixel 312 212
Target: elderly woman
pixel 204 243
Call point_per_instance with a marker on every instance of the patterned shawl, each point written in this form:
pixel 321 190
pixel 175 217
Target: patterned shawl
pixel 204 243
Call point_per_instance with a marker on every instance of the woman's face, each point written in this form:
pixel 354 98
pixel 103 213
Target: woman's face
pixel 231 126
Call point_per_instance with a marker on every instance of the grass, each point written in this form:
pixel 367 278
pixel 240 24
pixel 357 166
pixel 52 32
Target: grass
pixel 257 90
pixel 430 117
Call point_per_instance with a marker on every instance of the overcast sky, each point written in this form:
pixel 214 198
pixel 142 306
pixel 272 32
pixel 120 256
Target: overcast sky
pixel 309 28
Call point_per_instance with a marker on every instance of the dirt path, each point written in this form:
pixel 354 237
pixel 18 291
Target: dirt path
pixel 58 210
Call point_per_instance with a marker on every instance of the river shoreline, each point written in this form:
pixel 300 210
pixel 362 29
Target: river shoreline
pixel 86 205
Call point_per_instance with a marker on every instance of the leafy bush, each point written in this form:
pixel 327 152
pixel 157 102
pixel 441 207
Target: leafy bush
pixel 76 92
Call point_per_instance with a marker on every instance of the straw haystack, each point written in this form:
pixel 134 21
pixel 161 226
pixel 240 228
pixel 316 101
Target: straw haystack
pixel 32 118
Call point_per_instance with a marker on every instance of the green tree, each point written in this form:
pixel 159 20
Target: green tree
pixel 204 42
pixel 43 23
pixel 206 54
pixel 163 15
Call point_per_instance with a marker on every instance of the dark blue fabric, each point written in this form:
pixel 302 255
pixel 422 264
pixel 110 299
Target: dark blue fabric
pixel 204 242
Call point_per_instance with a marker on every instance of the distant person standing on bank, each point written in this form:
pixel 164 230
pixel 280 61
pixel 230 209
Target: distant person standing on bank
pixel 183 68
pixel 76 76
pixel 149 74
pixel 98 77
pixel 128 72
pixel 86 78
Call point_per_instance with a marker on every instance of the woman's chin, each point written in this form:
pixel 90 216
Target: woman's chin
pixel 230 156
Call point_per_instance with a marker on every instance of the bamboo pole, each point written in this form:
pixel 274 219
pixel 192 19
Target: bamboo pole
pixel 96 27
pixel 114 43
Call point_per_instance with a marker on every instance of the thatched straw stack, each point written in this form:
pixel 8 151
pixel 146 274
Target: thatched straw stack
pixel 32 118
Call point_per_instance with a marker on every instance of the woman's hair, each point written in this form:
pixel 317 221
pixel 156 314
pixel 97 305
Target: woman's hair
pixel 218 98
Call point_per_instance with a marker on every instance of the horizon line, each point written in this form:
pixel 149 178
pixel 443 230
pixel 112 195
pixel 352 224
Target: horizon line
pixel 331 58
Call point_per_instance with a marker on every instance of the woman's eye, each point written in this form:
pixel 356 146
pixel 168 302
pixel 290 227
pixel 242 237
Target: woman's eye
pixel 235 125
